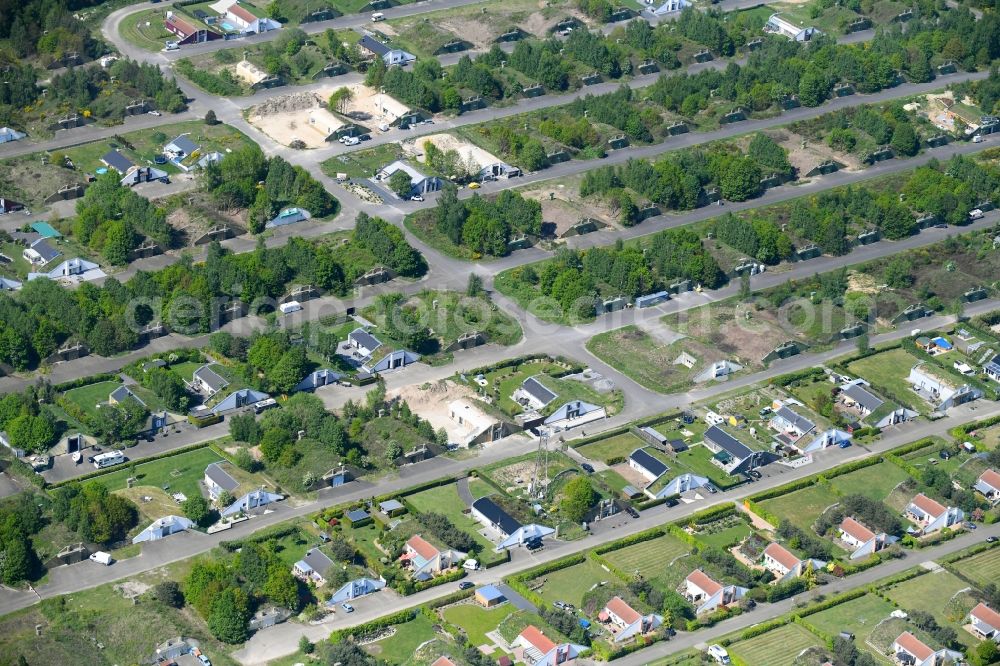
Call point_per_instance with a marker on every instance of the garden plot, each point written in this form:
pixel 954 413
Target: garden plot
pixel 779 647
pixel 982 568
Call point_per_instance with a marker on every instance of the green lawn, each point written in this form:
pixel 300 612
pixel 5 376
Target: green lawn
pixel 775 648
pixel 476 621
pixel 363 163
pixel 876 481
pixel 571 583
pixel 802 507
pixel 613 480
pixel 185 369
pixel 399 647
pixel 175 474
pixel 89 396
pixel 931 592
pixel 982 568
pixel 445 500
pixel 727 537
pixel 618 446
pixel 649 557
pixel 648 361
pixel 889 369
pixel 859 616
pixel 150 37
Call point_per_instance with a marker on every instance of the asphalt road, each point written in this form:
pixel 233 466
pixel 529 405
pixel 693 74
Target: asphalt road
pixel 282 640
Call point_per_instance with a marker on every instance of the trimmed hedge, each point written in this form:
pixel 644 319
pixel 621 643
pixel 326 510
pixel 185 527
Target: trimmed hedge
pixel 85 381
pixel 402 617
pixel 449 577
pixel 276 532
pixel 640 537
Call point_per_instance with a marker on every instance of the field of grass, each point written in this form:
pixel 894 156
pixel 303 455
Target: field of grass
pixel 363 163
pixel 175 474
pixel 477 621
pixel 399 647
pixel 571 583
pixel 650 362
pixel 775 648
pixel 89 396
pixel 859 616
pixel 145 29
pixel 649 557
pixel 618 446
pixel 801 507
pixel 875 481
pixel 445 500
pixel 727 537
pixel 930 592
pixel 889 370
pixel 982 568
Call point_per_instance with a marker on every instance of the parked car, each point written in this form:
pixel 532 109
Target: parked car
pixel 473 186
pixel 204 660
pixel 944 455
pixel 561 605
pixel 844 444
pixel 154 113
pixel 351 141
pixel 991 539
pixel 587 467
pixel 365 137
pixel 465 585
pixel 416 197
pixel 969 525
pixel 348 608
pixel 632 512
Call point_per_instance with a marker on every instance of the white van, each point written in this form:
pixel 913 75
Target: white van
pixel 351 141
pixel 378 16
pixel 718 653
pixel 975 214
pixel 102 558
pixel 383 127
pixel 470 565
pixel 109 459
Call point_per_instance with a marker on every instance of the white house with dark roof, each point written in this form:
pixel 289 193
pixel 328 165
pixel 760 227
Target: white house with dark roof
pixel 708 594
pixel 649 466
pixel 364 342
pixel 575 413
pixel 989 485
pixel 313 567
pixel 121 394
pixel 180 147
pixel 931 516
pixel 683 483
pixel 789 423
pixel 862 540
pixel 856 395
pixel 533 394
pixel 487 512
pixel 784 564
pixel 984 623
pixel 73 270
pixel 909 650
pixel 731 454
pixel 217 480
pixel 208 381
pixel 39 253
pixel 115 160
pixel 625 622
pixel 390 56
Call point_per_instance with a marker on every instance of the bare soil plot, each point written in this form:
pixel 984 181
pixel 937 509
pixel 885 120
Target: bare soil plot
pixel 562 207
pixel 806 155
pixel 727 328
pixel 430 402
pixel 468 151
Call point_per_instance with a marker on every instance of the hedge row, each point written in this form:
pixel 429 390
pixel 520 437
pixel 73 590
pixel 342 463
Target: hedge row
pixel 785 380
pixel 450 577
pixel 650 503
pixel 371 626
pixel 85 381
pixel 647 535
pixel 276 532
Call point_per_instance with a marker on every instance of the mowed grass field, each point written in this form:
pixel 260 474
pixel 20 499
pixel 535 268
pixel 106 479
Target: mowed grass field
pixel 650 558
pixel 571 583
pixel 890 369
pixel 802 507
pixel 874 482
pixel 775 648
pixel 175 474
pixel 931 592
pixel 982 568
pixel 477 621
pixel 88 397
pixel 612 447
pixel 445 500
pixel 859 616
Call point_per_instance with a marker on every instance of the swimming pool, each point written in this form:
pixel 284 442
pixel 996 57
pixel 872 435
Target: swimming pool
pixel 227 26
